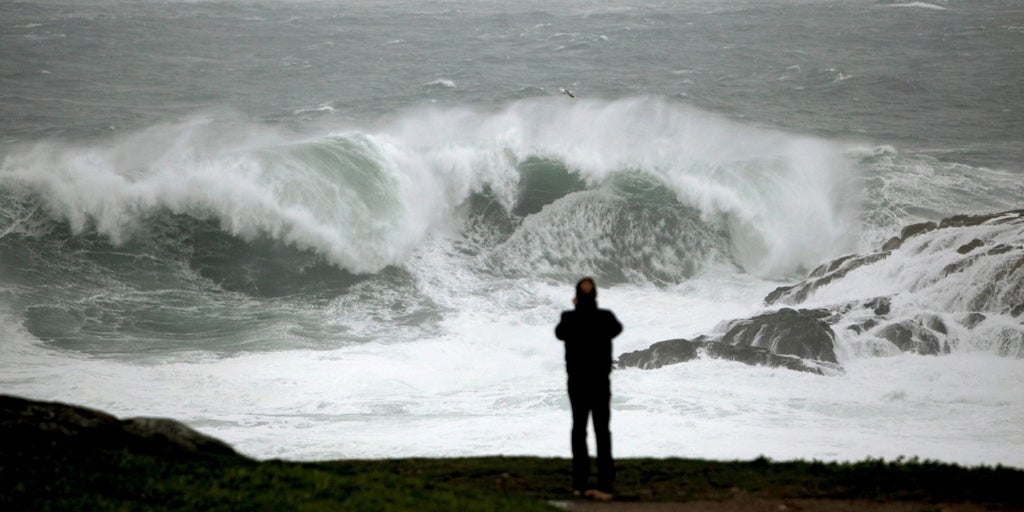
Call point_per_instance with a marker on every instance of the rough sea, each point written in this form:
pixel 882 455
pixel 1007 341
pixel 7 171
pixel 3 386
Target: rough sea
pixel 341 229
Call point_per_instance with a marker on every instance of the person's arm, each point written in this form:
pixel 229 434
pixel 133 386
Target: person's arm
pixel 614 327
pixel 562 329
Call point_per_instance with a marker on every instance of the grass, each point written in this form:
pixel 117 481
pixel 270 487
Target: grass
pixel 47 475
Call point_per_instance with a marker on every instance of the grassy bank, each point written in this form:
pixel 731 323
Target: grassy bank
pixel 81 478
pixel 62 457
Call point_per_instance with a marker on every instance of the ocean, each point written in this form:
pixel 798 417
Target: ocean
pixel 340 229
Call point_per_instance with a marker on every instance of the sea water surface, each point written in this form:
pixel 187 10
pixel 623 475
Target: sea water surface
pixel 329 229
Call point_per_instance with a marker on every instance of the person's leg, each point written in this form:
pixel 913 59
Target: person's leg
pixel 602 418
pixel 580 457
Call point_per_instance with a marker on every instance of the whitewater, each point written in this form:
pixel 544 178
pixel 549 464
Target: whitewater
pixel 323 230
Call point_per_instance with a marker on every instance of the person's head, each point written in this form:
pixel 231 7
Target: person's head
pixel 586 293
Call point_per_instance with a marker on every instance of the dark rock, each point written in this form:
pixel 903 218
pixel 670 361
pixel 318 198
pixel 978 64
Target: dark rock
pixel 21 416
pixel 880 305
pixel 1000 249
pixel 664 353
pixel 959 266
pixel 832 271
pixel 779 293
pixel 786 332
pixel 957 221
pixel 864 326
pixel 970 246
pixel 916 229
pixel 910 336
pixel 892 244
pixel 167 432
pixel 757 356
pixel 973 319
pixel 73 425
pixel 831 266
pixel 1017 310
pixel 787 338
pixel 936 324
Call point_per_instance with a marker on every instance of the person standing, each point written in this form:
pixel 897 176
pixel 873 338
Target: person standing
pixel 587 332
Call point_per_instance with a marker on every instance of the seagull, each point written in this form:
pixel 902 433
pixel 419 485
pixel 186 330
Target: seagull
pixel 566 92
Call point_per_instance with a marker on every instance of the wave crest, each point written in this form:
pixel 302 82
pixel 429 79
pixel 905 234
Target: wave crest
pixel 367 198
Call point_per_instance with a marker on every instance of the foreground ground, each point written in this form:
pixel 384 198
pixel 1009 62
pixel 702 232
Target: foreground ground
pixel 60 457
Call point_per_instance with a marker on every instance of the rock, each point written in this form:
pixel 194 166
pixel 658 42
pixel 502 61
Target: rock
pixel 821 276
pixel 957 221
pixel 970 246
pixel 1000 249
pixel 786 332
pixel 63 424
pixel 758 356
pixel 807 336
pixel 864 326
pixel 167 432
pixel 973 319
pixel 892 244
pixel 881 306
pixel 1017 310
pixel 664 353
pixel 831 266
pixel 21 416
pixel 787 338
pixel 916 229
pixel 911 336
pixel 936 324
pixel 959 266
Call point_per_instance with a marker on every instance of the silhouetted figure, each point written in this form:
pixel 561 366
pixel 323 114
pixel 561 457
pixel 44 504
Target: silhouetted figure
pixel 587 332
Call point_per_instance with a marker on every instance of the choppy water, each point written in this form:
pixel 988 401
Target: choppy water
pixel 346 229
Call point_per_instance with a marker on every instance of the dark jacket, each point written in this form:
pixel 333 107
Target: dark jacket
pixel 587 332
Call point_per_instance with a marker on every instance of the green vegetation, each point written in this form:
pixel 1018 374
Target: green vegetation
pixel 36 478
pixel 689 479
pixel 68 477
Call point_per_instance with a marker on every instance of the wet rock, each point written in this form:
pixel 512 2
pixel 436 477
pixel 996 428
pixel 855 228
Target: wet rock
pixel 670 352
pixel 892 244
pixel 957 221
pixel 69 425
pixel 797 340
pixel 973 319
pixel 936 324
pixel 821 276
pixel 663 353
pixel 910 336
pixel 881 306
pixel 970 246
pixel 959 266
pixel 1000 249
pixel 916 229
pixel 864 326
pixel 786 332
pixel 1017 310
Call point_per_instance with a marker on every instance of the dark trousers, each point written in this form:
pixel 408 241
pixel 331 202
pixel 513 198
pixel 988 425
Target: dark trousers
pixel 591 397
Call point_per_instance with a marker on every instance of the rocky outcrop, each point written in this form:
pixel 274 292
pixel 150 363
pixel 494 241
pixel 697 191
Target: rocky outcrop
pixel 797 340
pixel 787 332
pixel 61 424
pixel 803 339
pixel 821 276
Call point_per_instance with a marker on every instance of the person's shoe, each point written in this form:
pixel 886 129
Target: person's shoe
pixel 597 495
